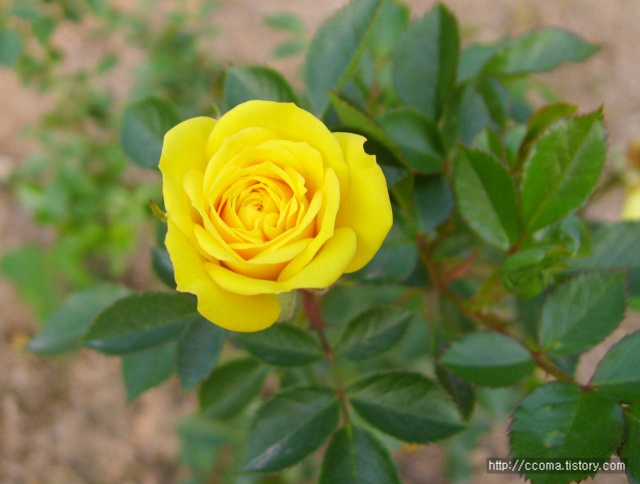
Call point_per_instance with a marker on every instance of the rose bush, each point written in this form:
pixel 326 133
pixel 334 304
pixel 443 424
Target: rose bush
pixel 264 201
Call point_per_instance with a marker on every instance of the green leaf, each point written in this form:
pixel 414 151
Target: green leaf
pixel 582 312
pixel 197 351
pixel 335 50
pixel 289 48
pixel 355 456
pixel 560 420
pixel 432 202
pixel 630 448
pixel 66 325
pixel 289 426
pixel 488 358
pixel 461 391
pixel 405 405
pixel 496 99
pixel 539 51
pixel 162 266
pixel 10 46
pixel 140 321
pixel 416 136
pixel 487 197
pixel 286 21
pixel 540 121
pixel 231 388
pixel 42 29
pixel 426 61
pixel 617 374
pixel 393 262
pixel 614 247
pixel 147 369
pixel 473 58
pixel 143 129
pixel 256 82
pixel 282 345
pixel 562 170
pixel 392 21
pixel 352 117
pixel 466 115
pixel 373 332
pixel 31 269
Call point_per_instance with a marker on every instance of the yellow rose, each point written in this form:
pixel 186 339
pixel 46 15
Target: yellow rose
pixel 264 201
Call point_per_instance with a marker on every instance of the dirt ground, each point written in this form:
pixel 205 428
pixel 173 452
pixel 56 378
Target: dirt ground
pixel 64 421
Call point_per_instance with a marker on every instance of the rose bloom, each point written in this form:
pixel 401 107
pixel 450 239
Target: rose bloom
pixel 264 201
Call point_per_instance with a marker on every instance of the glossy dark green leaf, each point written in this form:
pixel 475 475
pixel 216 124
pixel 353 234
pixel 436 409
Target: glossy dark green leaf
pixel 562 169
pixel 496 99
pixel 408 406
pixel 488 358
pixel 197 351
pixel 352 117
pixel 416 136
pixel 560 420
pixel 461 391
pixel 466 116
pixel 282 345
pixel 618 373
pixel 582 311
pixel 231 388
pixel 140 321
pixel 162 266
pixel 143 129
pixel 147 369
pixel 426 61
pixel 373 332
pixel 10 46
pixel 394 261
pixel 335 50
pixel 537 51
pixel 541 120
pixel 631 445
pixel 256 82
pixel 487 197
pixel 355 456
pixel 432 202
pixel 64 328
pixel 289 426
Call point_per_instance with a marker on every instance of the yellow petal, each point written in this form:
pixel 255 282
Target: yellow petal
pixel 321 272
pixel 183 149
pixel 234 143
pixel 367 209
pixel 326 224
pixel 229 310
pixel 291 122
pixel 329 264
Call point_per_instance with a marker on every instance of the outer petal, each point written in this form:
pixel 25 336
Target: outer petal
pixel 367 209
pixel 325 269
pixel 183 149
pixel 291 122
pixel 227 309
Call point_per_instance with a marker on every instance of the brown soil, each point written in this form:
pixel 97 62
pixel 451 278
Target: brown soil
pixel 65 421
